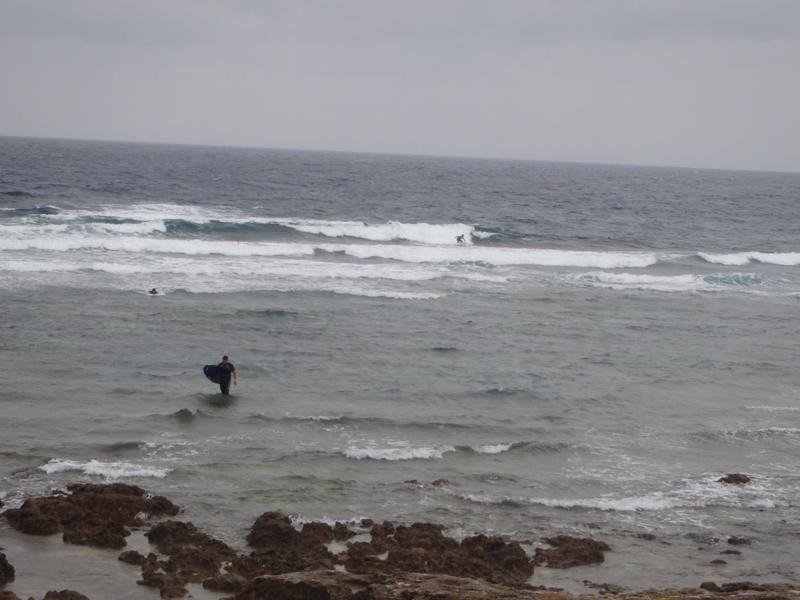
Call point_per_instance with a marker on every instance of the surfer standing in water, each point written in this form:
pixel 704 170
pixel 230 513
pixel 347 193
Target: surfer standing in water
pixel 226 370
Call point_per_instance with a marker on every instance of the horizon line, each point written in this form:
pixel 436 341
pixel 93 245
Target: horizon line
pixel 388 153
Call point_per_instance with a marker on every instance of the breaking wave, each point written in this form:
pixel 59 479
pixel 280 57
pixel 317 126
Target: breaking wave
pixel 393 453
pixel 786 259
pixel 110 470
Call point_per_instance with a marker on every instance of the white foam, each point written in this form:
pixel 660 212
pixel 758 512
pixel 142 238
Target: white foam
pixel 396 453
pixel 696 493
pixel 424 233
pixel 143 244
pixel 627 281
pixel 787 259
pixel 111 470
pixel 152 218
pixel 775 408
pixel 493 448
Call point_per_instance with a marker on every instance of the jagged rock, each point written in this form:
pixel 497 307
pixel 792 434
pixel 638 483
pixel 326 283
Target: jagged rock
pixel 740 586
pixel 92 514
pixel 7 595
pixel 280 548
pixel 224 583
pixel 335 585
pixel 168 585
pixel 735 479
pixel 604 588
pixel 367 522
pixel 7 572
pixel 193 556
pixel 342 532
pixel 423 548
pixel 439 482
pixel 132 557
pixel 314 534
pixel 570 551
pixel 64 595
pixel 274 561
pixel 738 541
pixel 273 530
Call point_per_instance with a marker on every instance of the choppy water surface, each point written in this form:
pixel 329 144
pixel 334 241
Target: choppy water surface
pixel 606 343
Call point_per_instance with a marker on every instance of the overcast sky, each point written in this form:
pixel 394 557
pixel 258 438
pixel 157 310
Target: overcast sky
pixel 706 83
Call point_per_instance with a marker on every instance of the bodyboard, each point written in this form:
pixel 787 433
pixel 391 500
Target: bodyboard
pixel 212 372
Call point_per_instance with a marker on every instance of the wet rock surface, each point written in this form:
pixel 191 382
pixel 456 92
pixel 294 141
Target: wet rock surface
pixel 735 479
pixel 7 572
pixel 91 515
pixel 423 548
pixel 64 595
pixel 568 551
pixel 399 562
pixel 335 585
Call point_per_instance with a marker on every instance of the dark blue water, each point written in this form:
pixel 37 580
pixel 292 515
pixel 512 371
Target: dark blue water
pixel 604 345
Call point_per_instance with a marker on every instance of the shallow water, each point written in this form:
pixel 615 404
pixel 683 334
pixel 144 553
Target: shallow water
pixel 607 343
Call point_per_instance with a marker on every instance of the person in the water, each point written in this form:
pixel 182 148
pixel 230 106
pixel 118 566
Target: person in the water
pixel 153 292
pixel 460 238
pixel 226 371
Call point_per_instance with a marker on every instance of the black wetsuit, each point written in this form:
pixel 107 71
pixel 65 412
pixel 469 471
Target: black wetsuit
pixel 225 372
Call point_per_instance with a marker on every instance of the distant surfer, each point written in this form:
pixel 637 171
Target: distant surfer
pixel 460 238
pixel 226 370
pixel 153 292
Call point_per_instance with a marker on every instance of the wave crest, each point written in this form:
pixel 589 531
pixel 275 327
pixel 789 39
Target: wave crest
pixel 110 470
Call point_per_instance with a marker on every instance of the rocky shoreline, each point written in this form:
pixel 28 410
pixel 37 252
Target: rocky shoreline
pixel 317 561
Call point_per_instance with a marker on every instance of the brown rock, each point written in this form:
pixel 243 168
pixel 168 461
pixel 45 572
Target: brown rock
pixel 604 588
pixel 132 557
pixel 224 583
pixel 744 586
pixel 30 519
pixel 7 572
pixel 570 551
pixel 719 561
pixel 64 595
pixel 423 548
pixel 7 595
pixel 169 585
pixel 280 548
pixel 738 541
pixel 439 482
pixel 342 532
pixel 730 552
pixel 275 561
pixel 710 586
pixel 315 534
pixel 193 556
pixel 92 514
pixel 273 530
pixel 335 585
pixel 735 479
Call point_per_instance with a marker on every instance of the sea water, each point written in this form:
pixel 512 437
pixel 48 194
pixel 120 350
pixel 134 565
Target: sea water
pixel 604 345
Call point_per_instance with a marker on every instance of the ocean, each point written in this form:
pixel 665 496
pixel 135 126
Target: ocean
pixel 606 343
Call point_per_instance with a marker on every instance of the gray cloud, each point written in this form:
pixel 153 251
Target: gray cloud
pixel 702 82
